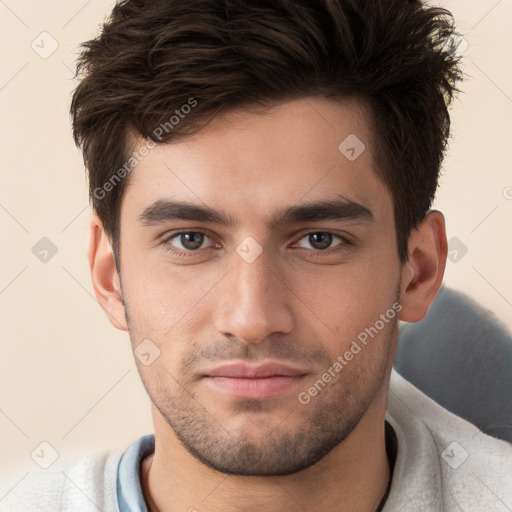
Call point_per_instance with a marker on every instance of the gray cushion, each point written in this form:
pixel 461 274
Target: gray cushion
pixel 460 355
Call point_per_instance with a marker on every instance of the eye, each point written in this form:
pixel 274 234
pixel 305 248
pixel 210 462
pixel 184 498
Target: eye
pixel 320 240
pixel 188 241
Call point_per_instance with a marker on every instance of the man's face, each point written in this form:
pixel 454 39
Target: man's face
pixel 280 284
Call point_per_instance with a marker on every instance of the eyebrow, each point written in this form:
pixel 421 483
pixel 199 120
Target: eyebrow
pixel 341 208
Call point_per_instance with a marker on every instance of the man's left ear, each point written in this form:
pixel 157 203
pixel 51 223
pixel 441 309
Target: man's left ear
pixel 422 274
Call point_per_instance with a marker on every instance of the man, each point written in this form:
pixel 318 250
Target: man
pixel 261 174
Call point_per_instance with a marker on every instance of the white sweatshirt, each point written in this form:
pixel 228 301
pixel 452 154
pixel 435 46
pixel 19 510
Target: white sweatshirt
pixel 444 463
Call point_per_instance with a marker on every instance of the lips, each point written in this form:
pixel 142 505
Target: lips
pixel 254 382
pixel 263 370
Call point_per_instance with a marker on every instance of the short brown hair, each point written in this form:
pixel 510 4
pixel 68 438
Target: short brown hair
pixel 153 57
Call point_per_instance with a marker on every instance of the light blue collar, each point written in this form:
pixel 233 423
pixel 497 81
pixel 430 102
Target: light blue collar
pixel 129 490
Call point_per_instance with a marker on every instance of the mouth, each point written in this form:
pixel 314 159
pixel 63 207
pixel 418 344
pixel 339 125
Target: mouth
pixel 254 382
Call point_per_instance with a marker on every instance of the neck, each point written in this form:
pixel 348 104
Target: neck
pixel 352 477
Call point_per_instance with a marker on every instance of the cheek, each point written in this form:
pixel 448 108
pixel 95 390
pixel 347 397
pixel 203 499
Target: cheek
pixel 168 304
pixel 347 298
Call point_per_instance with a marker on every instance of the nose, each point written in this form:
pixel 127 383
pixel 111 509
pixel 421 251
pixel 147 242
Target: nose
pixel 254 303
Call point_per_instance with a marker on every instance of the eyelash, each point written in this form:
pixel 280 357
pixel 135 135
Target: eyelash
pixel 178 252
pixel 344 245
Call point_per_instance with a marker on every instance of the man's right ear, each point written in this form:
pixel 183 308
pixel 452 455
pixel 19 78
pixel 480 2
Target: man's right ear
pixel 105 279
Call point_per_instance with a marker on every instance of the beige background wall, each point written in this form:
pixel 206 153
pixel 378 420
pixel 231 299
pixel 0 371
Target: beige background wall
pixel 66 376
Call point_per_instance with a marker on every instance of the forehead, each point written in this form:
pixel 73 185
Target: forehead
pixel 252 162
